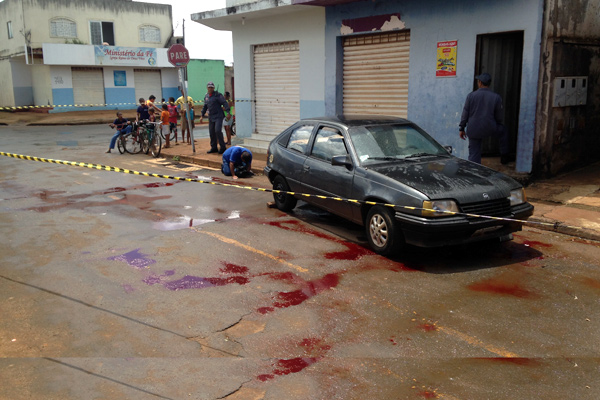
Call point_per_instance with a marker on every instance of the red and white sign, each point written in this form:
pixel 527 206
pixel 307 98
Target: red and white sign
pixel 178 55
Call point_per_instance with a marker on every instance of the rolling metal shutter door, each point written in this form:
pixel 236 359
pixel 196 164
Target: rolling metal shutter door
pixel 88 86
pixel 147 82
pixel 376 74
pixel 276 86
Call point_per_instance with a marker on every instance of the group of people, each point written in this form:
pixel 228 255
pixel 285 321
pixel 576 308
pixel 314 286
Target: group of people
pixel 482 112
pixel 237 161
pixel 148 111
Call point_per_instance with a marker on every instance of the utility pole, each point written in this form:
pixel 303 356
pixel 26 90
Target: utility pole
pixel 185 74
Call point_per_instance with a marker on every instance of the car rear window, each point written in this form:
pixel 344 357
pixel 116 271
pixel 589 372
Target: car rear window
pixel 299 138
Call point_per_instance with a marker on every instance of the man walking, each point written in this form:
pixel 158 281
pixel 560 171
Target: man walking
pixel 216 104
pixel 483 114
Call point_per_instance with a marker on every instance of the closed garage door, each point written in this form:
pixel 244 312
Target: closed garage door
pixel 376 74
pixel 88 86
pixel 147 82
pixel 276 86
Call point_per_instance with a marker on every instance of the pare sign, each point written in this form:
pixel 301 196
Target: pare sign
pixel 178 55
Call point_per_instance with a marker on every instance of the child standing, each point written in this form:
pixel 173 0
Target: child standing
pixel 173 116
pixel 151 116
pixel 164 117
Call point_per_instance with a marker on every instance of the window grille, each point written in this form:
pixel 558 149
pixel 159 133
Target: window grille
pixel 149 34
pixel 62 27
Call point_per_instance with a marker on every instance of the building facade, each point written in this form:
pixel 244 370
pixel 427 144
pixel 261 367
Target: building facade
pixel 200 72
pixel 86 53
pixel 418 60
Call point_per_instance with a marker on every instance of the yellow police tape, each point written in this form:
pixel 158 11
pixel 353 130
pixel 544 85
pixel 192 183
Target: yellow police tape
pixel 13 108
pixel 555 226
pixel 78 105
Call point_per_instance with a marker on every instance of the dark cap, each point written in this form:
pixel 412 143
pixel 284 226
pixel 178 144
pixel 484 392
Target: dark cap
pixel 485 78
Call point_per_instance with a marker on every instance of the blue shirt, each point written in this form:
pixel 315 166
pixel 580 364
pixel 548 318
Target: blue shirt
pixel 234 155
pixel 482 112
pixel 143 112
pixel 120 124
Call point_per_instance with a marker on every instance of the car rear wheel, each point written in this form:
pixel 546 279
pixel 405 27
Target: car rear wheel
pixel 284 202
pixel 382 231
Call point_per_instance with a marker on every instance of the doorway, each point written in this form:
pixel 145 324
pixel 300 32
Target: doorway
pixel 501 55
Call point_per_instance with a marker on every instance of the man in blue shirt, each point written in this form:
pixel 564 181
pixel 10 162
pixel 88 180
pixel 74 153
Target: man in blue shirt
pixel 122 125
pixel 237 162
pixel 142 111
pixel 483 113
pixel 215 103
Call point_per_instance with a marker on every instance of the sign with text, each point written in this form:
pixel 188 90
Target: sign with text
pixel 116 55
pixel 446 59
pixel 178 55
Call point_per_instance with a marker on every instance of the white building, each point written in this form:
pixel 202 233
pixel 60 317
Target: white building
pixel 96 53
pixel 418 60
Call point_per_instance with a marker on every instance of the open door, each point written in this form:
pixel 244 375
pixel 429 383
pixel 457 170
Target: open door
pixel 501 56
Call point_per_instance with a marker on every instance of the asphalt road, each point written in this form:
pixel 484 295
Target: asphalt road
pixel 121 286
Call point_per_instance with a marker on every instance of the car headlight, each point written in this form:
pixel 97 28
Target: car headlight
pixel 439 208
pixel 517 197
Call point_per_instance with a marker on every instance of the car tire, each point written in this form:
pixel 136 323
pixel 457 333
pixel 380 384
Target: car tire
pixel 284 202
pixel 383 232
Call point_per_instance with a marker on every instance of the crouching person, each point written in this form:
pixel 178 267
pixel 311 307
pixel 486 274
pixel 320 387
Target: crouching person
pixel 237 162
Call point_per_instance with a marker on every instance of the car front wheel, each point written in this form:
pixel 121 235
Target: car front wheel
pixel 284 202
pixel 382 231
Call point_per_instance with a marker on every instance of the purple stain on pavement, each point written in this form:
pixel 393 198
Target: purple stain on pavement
pixel 134 258
pixel 196 282
pixel 156 279
pixel 128 288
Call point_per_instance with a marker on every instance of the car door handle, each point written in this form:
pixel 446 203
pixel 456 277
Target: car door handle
pixel 306 168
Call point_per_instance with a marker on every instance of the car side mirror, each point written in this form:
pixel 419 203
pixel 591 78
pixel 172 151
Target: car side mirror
pixel 342 160
pixel 449 149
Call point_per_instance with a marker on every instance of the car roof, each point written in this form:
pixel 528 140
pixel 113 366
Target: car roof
pixel 360 120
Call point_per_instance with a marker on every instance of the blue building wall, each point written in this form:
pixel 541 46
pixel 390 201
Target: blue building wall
pixel 120 98
pixel 436 103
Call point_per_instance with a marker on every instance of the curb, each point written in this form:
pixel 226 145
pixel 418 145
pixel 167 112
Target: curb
pixel 582 233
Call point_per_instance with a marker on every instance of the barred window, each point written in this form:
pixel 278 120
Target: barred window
pixel 149 34
pixel 62 27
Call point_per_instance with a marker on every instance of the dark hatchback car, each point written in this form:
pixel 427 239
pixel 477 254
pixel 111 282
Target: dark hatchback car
pixel 394 163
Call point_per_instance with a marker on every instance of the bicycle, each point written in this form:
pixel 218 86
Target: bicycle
pixel 151 141
pixel 130 142
pixel 172 135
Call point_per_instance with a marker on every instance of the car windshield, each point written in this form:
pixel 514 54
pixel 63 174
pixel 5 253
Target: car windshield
pixel 380 143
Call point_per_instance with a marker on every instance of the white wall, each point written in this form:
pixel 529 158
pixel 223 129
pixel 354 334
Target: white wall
pixel 7 97
pixel 308 27
pixel 42 86
pixel 126 17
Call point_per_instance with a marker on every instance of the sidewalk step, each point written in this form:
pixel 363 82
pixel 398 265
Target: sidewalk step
pixel 256 146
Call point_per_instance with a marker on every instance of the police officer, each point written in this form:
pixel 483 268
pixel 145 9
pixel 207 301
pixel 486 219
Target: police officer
pixel 483 113
pixel 215 103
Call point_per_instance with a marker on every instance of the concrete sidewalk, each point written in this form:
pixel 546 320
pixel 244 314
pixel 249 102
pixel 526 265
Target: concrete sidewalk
pixel 568 203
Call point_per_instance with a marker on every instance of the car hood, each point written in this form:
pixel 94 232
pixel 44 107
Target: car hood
pixel 447 178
